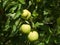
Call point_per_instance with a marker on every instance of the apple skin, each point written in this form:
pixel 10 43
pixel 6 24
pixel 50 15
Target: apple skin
pixel 33 36
pixel 25 28
pixel 26 14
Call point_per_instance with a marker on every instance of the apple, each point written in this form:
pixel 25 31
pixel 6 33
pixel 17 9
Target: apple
pixel 25 28
pixel 26 14
pixel 32 36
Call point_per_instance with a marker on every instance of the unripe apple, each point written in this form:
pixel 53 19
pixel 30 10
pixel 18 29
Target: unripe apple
pixel 26 14
pixel 25 28
pixel 33 36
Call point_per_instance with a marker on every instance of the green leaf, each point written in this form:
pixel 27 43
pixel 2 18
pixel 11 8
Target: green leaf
pixel 46 12
pixel 11 15
pixel 7 24
pixel 41 43
pixel 30 3
pixel 35 14
pixel 14 28
pixel 10 4
pixel 47 39
pixel 37 24
pixel 4 3
pixel 13 31
pixel 0 0
pixel 42 34
pixel 50 31
pixel 13 9
pixel 58 30
pixel 58 21
pixel 17 22
pixel 18 13
pixel 22 1
pixel 19 6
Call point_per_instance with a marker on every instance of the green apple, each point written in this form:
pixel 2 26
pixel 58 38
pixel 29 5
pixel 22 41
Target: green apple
pixel 25 28
pixel 33 36
pixel 58 21
pixel 26 14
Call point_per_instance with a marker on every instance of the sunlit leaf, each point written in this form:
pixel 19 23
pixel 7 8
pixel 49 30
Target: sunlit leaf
pixel 13 9
pixel 41 43
pixel 18 13
pixel 37 24
pixel 22 1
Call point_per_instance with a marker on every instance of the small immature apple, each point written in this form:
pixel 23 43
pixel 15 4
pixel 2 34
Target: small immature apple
pixel 25 28
pixel 33 36
pixel 26 14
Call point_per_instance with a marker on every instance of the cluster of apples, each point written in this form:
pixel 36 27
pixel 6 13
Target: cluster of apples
pixel 26 28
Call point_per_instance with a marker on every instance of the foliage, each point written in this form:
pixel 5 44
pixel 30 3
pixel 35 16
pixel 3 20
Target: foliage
pixel 44 19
